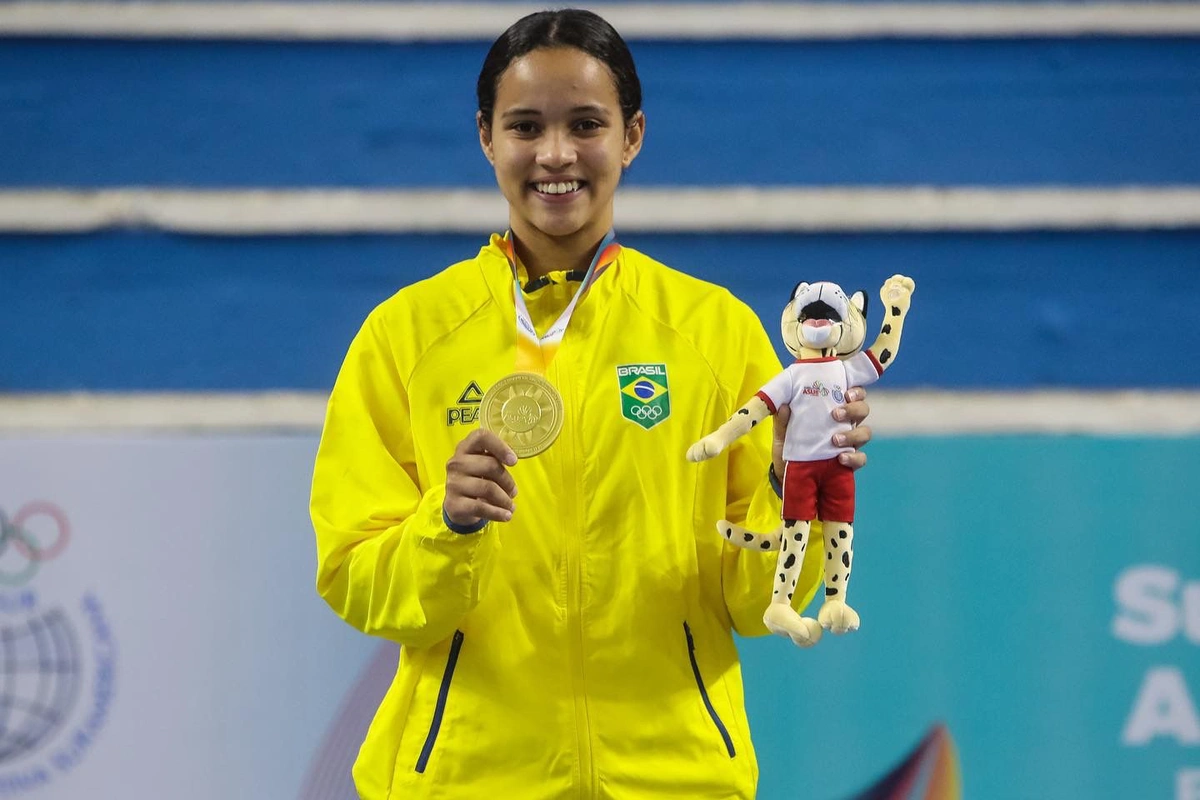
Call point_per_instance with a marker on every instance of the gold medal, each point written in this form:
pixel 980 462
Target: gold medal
pixel 525 410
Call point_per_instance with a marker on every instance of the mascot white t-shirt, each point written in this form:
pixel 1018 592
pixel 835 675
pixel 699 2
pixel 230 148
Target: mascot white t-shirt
pixel 813 388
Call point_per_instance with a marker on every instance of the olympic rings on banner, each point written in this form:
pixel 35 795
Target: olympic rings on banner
pixel 15 533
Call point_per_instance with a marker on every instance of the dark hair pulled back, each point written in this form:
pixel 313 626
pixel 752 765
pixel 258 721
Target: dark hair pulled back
pixel 570 27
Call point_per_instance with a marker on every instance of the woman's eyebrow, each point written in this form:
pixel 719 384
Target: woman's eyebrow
pixel 521 112
pixel 597 110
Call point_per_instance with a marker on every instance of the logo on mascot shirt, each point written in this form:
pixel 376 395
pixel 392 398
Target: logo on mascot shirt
pixel 645 394
pixel 819 389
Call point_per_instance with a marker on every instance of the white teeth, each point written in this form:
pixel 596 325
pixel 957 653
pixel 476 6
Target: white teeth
pixel 557 188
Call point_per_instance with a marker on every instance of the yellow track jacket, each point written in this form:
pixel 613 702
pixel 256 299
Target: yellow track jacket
pixel 584 649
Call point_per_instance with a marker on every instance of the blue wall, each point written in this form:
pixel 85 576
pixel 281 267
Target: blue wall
pixel 1044 111
pixel 133 310
pixel 139 309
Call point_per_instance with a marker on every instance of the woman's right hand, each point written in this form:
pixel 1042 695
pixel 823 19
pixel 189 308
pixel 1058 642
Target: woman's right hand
pixel 478 485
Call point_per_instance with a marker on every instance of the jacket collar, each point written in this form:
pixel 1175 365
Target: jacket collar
pixel 495 259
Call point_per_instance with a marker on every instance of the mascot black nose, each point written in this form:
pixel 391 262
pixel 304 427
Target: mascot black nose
pixel 820 310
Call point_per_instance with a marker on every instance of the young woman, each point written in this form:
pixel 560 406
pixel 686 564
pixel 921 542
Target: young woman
pixel 574 639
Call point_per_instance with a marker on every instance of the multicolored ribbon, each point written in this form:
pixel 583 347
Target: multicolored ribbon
pixel 534 353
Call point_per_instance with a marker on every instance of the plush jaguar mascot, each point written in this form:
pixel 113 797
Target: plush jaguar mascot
pixel 825 331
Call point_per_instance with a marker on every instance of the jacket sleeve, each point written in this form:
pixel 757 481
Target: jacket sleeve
pixel 386 561
pixel 748 576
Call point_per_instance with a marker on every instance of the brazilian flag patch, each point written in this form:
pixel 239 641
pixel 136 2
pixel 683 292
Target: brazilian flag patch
pixel 645 394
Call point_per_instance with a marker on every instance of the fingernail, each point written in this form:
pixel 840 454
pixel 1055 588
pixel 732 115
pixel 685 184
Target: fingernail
pixel 853 395
pixel 507 515
pixel 845 459
pixel 840 440
pixel 839 414
pixel 511 459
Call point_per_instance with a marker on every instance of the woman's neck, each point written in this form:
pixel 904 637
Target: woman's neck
pixel 542 254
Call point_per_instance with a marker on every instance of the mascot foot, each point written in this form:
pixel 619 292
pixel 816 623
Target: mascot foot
pixel 784 621
pixel 837 617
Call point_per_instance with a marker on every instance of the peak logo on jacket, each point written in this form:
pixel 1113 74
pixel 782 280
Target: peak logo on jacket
pixel 645 394
pixel 466 411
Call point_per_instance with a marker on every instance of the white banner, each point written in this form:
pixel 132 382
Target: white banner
pixel 160 633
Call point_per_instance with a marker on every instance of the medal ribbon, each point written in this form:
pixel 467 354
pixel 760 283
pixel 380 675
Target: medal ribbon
pixel 534 353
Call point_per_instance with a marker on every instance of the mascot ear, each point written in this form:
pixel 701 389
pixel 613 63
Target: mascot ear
pixel 859 301
pixel 796 290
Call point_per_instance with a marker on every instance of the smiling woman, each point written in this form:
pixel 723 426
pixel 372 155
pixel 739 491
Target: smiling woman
pixel 559 118
pixel 583 644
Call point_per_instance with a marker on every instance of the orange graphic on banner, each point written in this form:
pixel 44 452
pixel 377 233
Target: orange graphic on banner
pixel 929 772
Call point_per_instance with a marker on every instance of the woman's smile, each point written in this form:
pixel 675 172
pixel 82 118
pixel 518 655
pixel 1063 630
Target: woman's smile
pixel 558 191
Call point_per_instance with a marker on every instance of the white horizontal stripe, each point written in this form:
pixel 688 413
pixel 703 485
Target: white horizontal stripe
pixel 893 413
pixel 684 209
pixel 404 22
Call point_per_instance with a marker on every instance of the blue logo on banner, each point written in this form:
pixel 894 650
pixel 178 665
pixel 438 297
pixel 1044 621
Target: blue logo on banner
pixel 56 662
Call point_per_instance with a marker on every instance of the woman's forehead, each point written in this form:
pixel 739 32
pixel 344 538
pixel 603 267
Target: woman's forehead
pixel 559 78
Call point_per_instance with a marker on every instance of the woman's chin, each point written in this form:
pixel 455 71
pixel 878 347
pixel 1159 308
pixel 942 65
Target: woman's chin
pixel 558 227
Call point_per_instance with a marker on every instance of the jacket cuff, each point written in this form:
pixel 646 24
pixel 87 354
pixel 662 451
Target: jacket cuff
pixel 464 529
pixel 773 478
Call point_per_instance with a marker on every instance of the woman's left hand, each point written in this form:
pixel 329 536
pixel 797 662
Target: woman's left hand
pixel 854 411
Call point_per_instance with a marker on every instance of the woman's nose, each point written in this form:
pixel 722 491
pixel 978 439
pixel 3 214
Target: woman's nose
pixel 556 150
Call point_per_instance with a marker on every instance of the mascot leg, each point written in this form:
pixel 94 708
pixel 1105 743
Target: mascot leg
pixel 750 540
pixel 781 618
pixel 835 615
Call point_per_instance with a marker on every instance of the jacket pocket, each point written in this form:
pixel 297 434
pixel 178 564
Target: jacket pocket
pixel 440 708
pixel 712 712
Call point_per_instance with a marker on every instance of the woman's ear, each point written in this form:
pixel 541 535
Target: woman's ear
pixel 635 133
pixel 485 137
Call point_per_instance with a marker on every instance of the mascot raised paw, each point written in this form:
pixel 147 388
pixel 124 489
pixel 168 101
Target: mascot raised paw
pixel 825 330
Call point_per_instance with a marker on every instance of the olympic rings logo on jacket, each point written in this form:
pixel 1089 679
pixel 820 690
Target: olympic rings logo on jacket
pixel 646 412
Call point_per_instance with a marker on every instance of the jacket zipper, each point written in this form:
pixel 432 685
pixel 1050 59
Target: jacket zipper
pixel 440 708
pixel 575 637
pixel 712 712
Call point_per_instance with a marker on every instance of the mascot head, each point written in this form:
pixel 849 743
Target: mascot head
pixel 820 317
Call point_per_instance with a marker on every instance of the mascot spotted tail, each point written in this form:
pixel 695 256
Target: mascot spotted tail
pixel 825 330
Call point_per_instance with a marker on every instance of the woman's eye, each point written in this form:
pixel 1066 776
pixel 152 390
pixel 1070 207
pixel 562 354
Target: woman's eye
pixel 587 125
pixel 523 128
